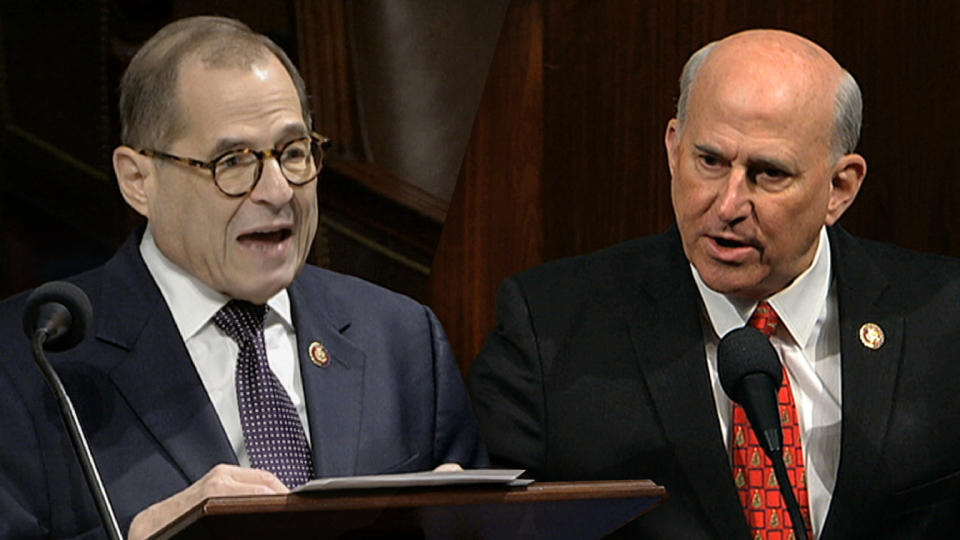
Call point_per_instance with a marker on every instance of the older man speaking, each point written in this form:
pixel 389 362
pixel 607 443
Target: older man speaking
pixel 605 366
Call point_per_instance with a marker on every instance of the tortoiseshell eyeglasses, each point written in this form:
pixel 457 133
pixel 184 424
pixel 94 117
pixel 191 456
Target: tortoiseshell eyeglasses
pixel 237 172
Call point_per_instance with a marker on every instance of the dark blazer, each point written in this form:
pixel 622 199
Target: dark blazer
pixel 596 370
pixel 391 399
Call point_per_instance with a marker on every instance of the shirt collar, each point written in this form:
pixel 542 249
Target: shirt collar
pixel 799 305
pixel 191 301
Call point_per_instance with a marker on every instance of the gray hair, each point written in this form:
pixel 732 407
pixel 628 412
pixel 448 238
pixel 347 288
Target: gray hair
pixel 848 103
pixel 149 107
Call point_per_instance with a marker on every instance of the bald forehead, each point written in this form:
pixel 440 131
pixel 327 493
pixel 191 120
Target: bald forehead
pixel 776 54
pixel 778 40
pixel 763 71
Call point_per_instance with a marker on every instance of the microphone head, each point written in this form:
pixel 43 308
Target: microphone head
pixel 743 352
pixel 47 306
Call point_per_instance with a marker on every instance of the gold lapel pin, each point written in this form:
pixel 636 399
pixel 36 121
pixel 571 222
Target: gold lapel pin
pixel 871 335
pixel 319 354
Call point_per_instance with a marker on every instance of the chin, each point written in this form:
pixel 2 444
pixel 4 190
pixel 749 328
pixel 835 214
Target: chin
pixel 744 286
pixel 261 291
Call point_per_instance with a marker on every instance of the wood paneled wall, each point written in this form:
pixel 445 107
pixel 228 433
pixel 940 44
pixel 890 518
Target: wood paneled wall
pixel 566 154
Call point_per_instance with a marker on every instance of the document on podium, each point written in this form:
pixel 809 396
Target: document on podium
pixel 505 477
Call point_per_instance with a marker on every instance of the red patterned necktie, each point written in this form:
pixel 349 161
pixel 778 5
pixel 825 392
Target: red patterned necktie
pixel 753 473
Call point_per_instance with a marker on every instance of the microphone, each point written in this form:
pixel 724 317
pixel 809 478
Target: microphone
pixel 57 317
pixel 751 375
pixel 61 311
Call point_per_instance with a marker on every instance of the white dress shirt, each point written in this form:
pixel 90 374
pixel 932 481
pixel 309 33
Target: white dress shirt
pixel 214 354
pixel 808 343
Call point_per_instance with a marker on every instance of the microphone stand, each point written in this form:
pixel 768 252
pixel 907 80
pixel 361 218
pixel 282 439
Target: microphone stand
pixel 77 437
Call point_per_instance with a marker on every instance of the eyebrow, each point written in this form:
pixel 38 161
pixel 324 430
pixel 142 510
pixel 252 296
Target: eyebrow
pixel 753 163
pixel 769 163
pixel 707 149
pixel 288 133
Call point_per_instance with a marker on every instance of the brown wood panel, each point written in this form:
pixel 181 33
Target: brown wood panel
pixel 494 223
pixel 906 57
pixel 609 84
pixel 607 97
pixel 325 67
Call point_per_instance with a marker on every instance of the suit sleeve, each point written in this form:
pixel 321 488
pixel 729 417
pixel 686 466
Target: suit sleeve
pixel 21 475
pixel 28 506
pixel 506 386
pixel 456 437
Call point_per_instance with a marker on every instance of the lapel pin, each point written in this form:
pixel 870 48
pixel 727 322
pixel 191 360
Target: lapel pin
pixel 871 335
pixel 319 354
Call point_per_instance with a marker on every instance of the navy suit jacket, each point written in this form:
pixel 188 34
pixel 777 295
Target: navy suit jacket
pixel 390 400
pixel 597 370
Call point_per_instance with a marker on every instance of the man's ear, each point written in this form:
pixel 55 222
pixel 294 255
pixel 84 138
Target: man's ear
pixel 133 170
pixel 848 175
pixel 671 139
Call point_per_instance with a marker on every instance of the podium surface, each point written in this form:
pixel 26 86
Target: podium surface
pixel 549 510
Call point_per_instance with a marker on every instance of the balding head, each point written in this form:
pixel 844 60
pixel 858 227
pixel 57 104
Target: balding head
pixel 776 57
pixel 150 114
pixel 757 160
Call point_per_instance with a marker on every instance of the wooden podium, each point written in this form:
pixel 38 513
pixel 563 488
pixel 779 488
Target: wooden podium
pixel 548 510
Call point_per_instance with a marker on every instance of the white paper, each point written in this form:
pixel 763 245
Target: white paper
pixel 506 477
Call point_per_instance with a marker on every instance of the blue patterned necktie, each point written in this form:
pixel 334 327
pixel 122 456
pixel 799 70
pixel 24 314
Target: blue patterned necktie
pixel 271 426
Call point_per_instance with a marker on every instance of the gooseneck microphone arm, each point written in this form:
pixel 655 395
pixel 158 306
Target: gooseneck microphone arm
pixel 56 316
pixel 793 507
pixel 77 437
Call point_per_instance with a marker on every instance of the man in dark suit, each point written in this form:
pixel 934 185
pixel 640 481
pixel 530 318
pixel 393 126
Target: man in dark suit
pixel 605 366
pixel 219 156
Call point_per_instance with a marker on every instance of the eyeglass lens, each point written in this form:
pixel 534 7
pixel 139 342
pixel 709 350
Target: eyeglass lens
pixel 237 172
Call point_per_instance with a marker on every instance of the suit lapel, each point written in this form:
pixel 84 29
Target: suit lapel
pixel 670 352
pixel 334 391
pixel 868 381
pixel 153 370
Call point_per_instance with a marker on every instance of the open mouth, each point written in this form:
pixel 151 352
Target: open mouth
pixel 731 250
pixel 270 237
pixel 726 243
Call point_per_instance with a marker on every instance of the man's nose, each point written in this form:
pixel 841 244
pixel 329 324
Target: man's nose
pixel 734 200
pixel 273 188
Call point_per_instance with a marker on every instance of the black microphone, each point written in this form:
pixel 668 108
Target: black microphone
pixel 751 375
pixel 57 317
pixel 61 311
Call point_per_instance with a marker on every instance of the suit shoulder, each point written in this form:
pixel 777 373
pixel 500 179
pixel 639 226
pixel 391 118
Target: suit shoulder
pixel 11 308
pixel 905 265
pixel 348 290
pixel 598 268
pixel 907 260
pixel 907 278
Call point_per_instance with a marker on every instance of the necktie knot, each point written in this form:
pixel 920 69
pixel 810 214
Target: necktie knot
pixel 241 320
pixel 765 319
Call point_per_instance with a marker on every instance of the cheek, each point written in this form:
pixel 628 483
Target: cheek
pixel 307 201
pixel 791 227
pixel 690 197
pixel 209 222
pixel 170 213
